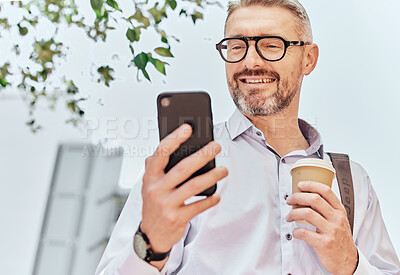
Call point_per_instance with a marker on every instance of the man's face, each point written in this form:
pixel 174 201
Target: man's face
pixel 259 87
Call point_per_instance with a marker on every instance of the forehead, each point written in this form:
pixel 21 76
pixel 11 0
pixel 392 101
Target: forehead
pixel 259 20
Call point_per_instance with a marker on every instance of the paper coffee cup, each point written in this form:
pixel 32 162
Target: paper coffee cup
pixel 311 169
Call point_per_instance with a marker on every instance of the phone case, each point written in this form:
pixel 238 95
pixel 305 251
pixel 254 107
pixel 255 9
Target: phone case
pixel 193 108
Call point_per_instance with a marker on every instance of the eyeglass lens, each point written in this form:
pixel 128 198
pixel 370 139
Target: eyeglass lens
pixel 270 48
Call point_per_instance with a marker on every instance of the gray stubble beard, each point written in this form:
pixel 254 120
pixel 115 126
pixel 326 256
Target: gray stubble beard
pixel 257 104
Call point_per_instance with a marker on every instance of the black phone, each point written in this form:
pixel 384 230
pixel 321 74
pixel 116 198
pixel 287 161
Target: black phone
pixel 194 108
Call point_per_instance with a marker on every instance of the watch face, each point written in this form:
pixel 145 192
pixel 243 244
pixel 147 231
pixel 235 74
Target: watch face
pixel 140 246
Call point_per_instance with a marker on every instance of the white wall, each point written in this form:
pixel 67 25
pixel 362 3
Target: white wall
pixel 26 164
pixel 352 97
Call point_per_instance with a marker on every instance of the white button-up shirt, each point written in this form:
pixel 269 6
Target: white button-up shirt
pixel 247 232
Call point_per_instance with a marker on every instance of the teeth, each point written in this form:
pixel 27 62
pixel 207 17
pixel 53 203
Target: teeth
pixel 264 80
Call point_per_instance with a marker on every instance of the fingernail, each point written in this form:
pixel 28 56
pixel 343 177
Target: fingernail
pixel 186 128
pixel 223 168
pixel 301 184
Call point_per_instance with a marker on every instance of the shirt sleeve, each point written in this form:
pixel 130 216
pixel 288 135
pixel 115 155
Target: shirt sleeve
pixel 119 258
pixel 376 252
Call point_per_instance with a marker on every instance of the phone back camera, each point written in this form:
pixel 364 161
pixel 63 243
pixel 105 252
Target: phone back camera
pixel 165 102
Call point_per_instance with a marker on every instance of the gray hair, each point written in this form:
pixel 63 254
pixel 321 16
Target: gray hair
pixel 303 26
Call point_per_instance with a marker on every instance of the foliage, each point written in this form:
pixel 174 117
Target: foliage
pixel 43 77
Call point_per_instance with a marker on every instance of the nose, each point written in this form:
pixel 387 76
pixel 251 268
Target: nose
pixel 253 59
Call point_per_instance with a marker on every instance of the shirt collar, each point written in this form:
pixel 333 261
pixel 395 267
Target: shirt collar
pixel 313 138
pixel 238 124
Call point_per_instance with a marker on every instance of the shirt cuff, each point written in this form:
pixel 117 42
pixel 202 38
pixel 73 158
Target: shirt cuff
pixel 134 265
pixel 363 265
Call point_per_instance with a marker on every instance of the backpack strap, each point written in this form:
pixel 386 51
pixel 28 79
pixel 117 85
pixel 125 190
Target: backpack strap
pixel 341 163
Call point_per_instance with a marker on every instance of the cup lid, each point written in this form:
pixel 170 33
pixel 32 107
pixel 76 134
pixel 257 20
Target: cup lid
pixel 313 162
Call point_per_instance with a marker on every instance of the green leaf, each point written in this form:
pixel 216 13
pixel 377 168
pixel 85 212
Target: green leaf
pixel 71 88
pixel 163 52
pixel 4 22
pixel 157 14
pixel 22 30
pixel 197 15
pixel 172 4
pixel 158 64
pixel 161 32
pixel 146 74
pixel 44 73
pixel 133 34
pixel 183 12
pixel 30 123
pixel 113 4
pixel 4 72
pixel 132 50
pixel 4 83
pixel 165 40
pixel 96 4
pixel 44 51
pixel 105 75
pixel 141 60
pixel 71 105
pixel 140 18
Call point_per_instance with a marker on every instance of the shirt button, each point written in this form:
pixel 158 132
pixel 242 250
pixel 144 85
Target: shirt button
pixel 258 133
pixel 286 196
pixel 288 237
pixel 284 160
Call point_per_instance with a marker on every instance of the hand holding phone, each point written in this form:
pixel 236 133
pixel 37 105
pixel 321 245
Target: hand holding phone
pixel 164 213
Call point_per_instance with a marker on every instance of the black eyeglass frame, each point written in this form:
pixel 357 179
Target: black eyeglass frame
pixel 246 40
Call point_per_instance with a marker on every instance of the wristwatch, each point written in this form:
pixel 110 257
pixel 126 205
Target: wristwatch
pixel 141 245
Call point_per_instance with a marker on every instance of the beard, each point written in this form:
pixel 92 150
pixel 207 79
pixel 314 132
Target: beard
pixel 255 102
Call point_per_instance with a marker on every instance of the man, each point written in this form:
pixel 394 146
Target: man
pixel 248 226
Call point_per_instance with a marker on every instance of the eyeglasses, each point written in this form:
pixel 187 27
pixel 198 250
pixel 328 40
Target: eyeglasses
pixel 270 48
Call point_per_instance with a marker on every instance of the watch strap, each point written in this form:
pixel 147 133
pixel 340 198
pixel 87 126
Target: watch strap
pixel 150 254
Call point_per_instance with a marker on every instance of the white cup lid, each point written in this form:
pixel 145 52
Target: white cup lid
pixel 313 162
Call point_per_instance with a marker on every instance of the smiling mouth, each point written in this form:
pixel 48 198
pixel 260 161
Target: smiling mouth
pixel 257 80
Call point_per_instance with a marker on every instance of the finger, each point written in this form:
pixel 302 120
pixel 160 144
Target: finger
pixel 310 237
pixel 198 185
pixel 189 211
pixel 309 215
pixel 159 160
pixel 186 167
pixel 322 189
pixel 314 200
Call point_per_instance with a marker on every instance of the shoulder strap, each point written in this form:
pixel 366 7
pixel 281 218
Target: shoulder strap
pixel 341 163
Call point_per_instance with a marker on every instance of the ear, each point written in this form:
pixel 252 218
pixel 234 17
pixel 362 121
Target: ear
pixel 310 58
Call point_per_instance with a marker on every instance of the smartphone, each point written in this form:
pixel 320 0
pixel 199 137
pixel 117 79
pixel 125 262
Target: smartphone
pixel 194 108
